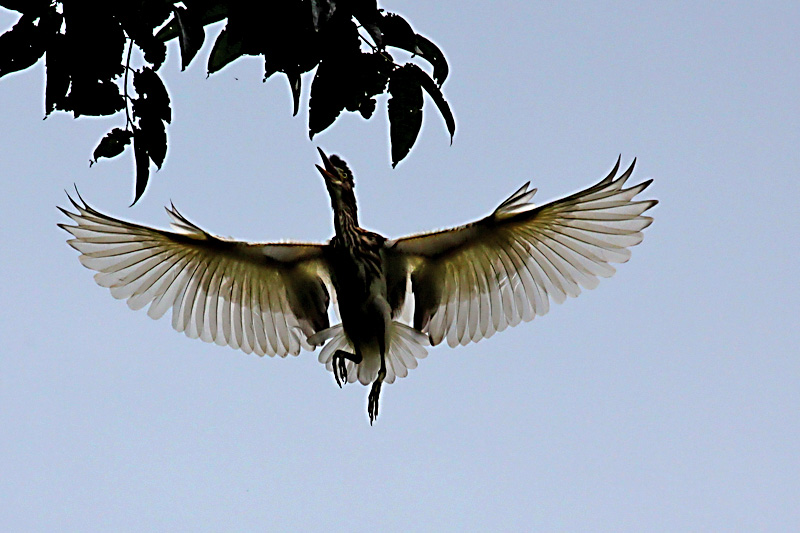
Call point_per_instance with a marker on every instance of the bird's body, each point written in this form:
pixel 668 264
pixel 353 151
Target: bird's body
pixel 465 284
pixel 358 272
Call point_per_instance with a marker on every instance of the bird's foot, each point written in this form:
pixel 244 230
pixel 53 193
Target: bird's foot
pixel 374 396
pixel 339 362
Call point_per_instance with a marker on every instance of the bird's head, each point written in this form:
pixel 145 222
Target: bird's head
pixel 338 179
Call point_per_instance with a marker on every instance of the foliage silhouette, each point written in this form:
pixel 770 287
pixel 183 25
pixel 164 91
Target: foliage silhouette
pixel 87 48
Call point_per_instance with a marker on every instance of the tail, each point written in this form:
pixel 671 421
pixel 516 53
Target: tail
pixel 405 346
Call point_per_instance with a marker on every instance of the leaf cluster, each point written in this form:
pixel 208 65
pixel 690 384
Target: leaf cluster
pixel 348 42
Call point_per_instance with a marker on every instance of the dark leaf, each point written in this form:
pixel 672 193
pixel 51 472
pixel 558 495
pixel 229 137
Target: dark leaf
pixel 366 11
pixel 374 71
pixel 95 41
pixel 30 7
pixel 57 63
pixel 91 50
pixel 340 79
pixel 397 32
pixel 270 67
pixel 321 12
pixel 294 85
pixel 112 144
pixel 367 108
pixel 153 99
pixel 154 137
pixel 288 41
pixel 433 90
pixel 94 97
pixel 369 79
pixel 192 35
pixel 152 14
pixel 142 160
pixel 227 47
pixel 327 100
pixel 151 108
pixel 203 11
pixel 375 32
pixel 171 30
pixel 155 51
pixel 139 19
pixel 433 55
pixel 21 46
pixel 362 6
pixel 405 111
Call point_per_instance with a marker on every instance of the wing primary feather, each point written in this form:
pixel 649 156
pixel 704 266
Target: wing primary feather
pixel 475 303
pixel 283 329
pixel 248 320
pixel 569 248
pixel 201 300
pixel 451 318
pixel 258 317
pixel 205 297
pixel 493 277
pixel 266 319
pixel 272 333
pixel 506 310
pixel 153 286
pixel 215 290
pixel 464 298
pixel 528 284
pixel 225 312
pixel 438 323
pixel 242 317
pixel 178 303
pixel 521 303
pixel 578 263
pixel 166 299
pixel 484 293
pixel 551 277
pixel 561 269
pixel 278 321
pixel 235 311
pixel 190 300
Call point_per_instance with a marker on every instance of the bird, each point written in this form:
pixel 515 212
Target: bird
pixel 395 297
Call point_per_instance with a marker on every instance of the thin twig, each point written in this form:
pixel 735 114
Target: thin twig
pixel 374 47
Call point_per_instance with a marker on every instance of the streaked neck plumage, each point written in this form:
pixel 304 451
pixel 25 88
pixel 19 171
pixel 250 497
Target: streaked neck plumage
pixel 345 215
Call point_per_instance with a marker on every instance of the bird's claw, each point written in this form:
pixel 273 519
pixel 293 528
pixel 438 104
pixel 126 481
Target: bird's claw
pixel 374 395
pixel 340 369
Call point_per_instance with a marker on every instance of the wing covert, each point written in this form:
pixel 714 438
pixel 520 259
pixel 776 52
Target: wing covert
pixel 266 298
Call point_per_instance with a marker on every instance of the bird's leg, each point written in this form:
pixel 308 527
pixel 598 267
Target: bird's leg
pixel 374 394
pixel 340 365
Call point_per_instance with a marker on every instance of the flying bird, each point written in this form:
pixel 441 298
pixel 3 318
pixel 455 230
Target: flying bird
pixel 394 296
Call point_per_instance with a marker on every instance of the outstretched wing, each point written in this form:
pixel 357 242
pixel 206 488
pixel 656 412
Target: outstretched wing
pixel 472 281
pixel 263 298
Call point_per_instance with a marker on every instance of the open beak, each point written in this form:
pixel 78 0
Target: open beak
pixel 329 172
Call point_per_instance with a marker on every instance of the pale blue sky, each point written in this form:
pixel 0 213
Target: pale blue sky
pixel 666 399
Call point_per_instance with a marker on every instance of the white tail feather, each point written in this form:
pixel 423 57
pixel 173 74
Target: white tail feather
pixel 406 345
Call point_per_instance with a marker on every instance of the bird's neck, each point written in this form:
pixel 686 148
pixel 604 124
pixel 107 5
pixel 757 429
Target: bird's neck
pixel 345 220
